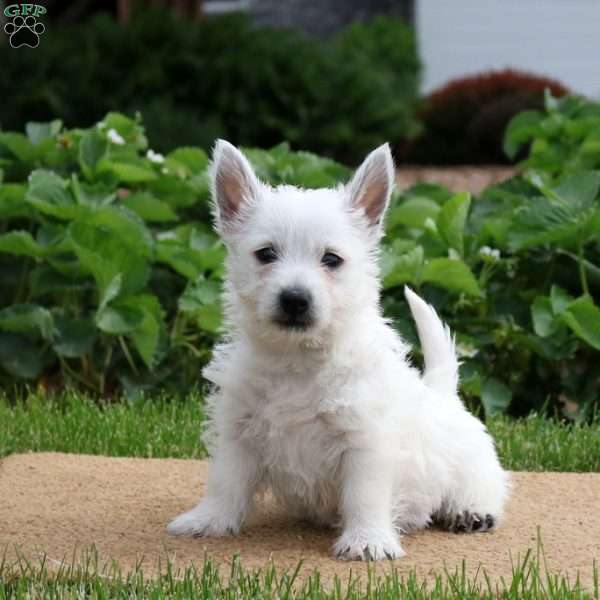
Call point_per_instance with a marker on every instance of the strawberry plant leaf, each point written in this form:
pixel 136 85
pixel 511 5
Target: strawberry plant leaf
pixel 150 208
pixel 12 203
pixel 413 212
pixel 495 396
pixel 126 226
pixel 451 274
pixel 119 320
pixel 18 145
pixel 399 269
pixel 149 336
pixel 189 252
pixel 49 193
pixel 559 299
pixel 202 299
pixel 563 215
pixel 187 161
pixel 39 132
pixel 113 289
pixel 581 190
pixel 174 191
pixel 92 148
pixel 20 357
pixel 24 318
pixel 43 280
pixel 127 173
pixel 544 320
pixel 583 317
pixel 105 255
pixel 521 130
pixel 73 337
pixel 452 219
pixel 20 243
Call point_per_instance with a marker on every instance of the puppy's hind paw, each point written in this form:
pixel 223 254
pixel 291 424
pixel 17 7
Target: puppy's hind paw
pixel 367 546
pixel 468 522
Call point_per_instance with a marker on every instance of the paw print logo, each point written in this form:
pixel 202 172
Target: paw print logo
pixel 24 31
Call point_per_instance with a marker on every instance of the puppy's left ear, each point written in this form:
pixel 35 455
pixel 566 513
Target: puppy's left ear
pixel 371 187
pixel 235 187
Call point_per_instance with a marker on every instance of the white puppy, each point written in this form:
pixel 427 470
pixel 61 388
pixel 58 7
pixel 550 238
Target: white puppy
pixel 314 397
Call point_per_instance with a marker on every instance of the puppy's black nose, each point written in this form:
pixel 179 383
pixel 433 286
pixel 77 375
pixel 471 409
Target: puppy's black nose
pixel 294 301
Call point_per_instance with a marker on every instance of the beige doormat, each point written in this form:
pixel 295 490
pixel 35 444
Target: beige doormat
pixel 53 504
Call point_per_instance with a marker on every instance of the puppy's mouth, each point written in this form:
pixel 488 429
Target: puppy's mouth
pixel 293 323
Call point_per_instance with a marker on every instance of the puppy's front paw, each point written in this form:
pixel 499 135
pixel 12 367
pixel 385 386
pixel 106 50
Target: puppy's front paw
pixel 204 520
pixel 367 544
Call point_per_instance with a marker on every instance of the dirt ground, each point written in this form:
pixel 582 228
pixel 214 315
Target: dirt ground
pixel 458 179
pixel 56 504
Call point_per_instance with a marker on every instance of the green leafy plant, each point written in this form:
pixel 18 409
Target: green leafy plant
pixel 111 274
pixel 564 137
pixel 520 266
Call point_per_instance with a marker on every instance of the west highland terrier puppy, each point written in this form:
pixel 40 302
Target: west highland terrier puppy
pixel 315 398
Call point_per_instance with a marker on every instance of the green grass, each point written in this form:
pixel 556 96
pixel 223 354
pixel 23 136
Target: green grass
pixel 540 444
pixel 88 579
pixel 156 428
pixel 163 427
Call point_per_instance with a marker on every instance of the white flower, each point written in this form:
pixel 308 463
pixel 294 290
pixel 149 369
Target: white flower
pixel 114 137
pixel 466 350
pixel 155 157
pixel 491 252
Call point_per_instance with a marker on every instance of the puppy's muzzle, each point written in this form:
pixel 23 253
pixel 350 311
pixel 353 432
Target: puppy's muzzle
pixel 295 304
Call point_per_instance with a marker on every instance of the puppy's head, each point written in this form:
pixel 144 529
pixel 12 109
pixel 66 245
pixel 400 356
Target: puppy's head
pixel 301 263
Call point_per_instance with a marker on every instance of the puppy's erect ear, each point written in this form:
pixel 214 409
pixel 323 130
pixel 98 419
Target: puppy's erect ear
pixel 234 184
pixel 371 187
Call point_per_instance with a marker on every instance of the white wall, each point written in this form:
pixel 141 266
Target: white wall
pixel 559 38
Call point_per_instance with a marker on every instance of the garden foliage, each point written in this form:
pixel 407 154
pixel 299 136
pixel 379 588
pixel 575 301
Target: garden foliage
pixel 221 77
pixel 111 274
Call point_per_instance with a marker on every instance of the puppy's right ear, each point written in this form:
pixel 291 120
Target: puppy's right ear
pixel 234 185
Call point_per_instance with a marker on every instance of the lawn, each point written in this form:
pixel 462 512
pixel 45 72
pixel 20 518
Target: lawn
pixel 163 427
pixel 169 427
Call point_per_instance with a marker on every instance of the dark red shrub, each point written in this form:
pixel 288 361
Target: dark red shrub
pixel 464 121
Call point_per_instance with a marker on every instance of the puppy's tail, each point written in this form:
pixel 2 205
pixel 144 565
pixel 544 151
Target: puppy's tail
pixel 437 343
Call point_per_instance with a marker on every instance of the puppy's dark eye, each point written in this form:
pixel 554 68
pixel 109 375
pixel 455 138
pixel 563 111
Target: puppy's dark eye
pixel 331 260
pixel 266 255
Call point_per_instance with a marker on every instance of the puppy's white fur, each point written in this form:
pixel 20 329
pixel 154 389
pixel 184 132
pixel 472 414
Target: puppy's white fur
pixel 331 418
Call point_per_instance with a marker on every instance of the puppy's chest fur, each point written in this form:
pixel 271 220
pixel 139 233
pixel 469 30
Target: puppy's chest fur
pixel 289 423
